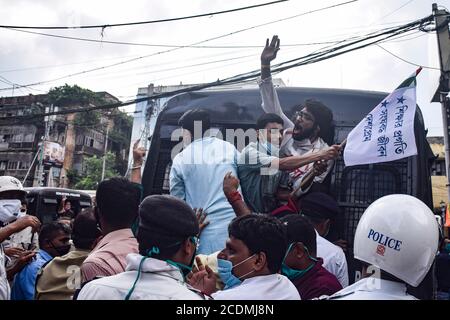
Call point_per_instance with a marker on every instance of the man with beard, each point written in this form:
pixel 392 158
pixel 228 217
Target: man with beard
pixel 307 132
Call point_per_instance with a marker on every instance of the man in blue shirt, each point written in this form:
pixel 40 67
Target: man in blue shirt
pixel 53 242
pixel 197 174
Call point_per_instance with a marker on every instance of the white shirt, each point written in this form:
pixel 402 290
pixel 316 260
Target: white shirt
pixel 158 281
pixel 271 287
pixel 5 291
pixel 373 289
pixel 333 259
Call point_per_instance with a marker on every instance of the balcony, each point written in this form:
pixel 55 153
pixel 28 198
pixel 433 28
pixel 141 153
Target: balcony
pixel 16 145
pixel 88 150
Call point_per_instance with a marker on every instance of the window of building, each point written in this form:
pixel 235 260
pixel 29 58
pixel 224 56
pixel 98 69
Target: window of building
pixel 29 137
pixel 438 168
pixel 3 165
pixel 23 165
pixel 12 165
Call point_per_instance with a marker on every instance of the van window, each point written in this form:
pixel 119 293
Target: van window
pixel 50 201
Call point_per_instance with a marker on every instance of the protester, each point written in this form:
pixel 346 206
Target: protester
pixel 301 264
pixel 309 130
pixel 321 209
pixel 60 277
pixel 397 240
pixel 117 203
pixel 259 164
pixel 167 237
pixel 53 242
pixel 11 194
pixel 196 176
pixel 250 262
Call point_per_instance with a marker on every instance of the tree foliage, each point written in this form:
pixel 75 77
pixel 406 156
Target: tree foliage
pixel 92 174
pixel 73 95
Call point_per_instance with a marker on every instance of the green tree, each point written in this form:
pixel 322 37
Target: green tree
pixel 92 174
pixel 73 95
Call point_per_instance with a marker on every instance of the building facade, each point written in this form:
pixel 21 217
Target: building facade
pixel 21 151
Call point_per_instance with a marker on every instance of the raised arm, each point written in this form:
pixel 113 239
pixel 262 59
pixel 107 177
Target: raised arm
pixel 269 97
pixel 138 160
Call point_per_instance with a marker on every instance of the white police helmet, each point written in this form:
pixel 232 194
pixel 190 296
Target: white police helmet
pixel 398 234
pixel 8 183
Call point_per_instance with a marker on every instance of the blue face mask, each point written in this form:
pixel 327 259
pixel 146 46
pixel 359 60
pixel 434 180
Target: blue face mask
pixel 295 273
pixel 225 269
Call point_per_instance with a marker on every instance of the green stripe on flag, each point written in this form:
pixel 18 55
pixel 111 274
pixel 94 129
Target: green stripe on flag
pixel 411 80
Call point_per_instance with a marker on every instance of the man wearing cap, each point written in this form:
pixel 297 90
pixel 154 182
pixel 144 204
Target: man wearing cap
pixel 11 194
pixel 321 209
pixel 167 237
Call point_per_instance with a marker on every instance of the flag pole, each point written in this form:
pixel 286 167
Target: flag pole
pixel 302 184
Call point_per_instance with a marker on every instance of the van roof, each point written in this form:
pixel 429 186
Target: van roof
pixel 244 106
pixel 57 191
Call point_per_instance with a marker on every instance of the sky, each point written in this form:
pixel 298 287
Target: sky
pixel 29 58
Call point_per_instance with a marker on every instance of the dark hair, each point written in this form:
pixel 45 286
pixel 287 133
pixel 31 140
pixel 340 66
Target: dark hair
pixel 188 119
pixel 323 118
pixel 49 231
pixel 299 229
pixel 266 118
pixel 164 222
pixel 85 230
pixel 118 201
pixel 261 233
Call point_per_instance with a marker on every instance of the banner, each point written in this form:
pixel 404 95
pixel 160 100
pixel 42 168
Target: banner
pixel 387 132
pixel 53 154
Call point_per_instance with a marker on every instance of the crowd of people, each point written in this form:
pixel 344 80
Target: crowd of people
pixel 249 225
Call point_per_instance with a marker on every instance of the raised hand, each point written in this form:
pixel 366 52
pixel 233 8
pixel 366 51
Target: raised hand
pixel 270 50
pixel 230 184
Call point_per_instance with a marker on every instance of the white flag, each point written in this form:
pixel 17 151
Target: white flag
pixel 387 132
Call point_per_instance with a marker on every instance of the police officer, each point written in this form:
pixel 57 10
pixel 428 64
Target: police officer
pixel 397 238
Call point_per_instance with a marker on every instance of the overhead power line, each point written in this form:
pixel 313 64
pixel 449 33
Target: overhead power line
pixel 177 48
pixel 317 56
pixel 161 45
pixel 404 60
pixel 110 25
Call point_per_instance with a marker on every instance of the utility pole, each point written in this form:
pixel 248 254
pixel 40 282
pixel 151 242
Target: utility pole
pixel 104 152
pixel 441 19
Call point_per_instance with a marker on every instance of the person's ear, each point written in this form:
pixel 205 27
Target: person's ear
pixel 299 250
pixel 261 261
pixel 188 247
pixel 317 130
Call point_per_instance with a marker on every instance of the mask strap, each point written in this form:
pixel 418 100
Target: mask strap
pixel 154 250
pixel 238 264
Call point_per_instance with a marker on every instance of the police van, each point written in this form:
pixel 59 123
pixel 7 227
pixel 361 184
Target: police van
pixel 43 202
pixel 355 188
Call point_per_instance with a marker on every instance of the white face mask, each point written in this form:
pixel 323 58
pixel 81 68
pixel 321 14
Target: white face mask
pixel 9 210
